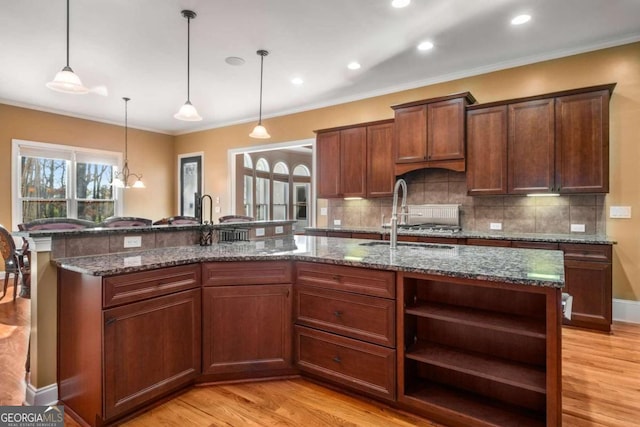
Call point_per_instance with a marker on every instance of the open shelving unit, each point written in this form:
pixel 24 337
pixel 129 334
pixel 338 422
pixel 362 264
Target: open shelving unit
pixel 478 353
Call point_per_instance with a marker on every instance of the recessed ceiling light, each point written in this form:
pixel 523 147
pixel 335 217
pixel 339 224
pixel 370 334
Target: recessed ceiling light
pixel 234 60
pixel 353 65
pixel 520 19
pixel 400 3
pixel 297 81
pixel 425 46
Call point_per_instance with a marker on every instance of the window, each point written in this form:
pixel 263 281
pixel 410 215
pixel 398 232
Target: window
pixel 262 198
pixel 262 165
pixel 248 195
pixel 61 181
pixel 301 170
pixel 281 168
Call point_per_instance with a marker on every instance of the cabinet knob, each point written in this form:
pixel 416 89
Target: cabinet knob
pixel 337 359
pixel 337 313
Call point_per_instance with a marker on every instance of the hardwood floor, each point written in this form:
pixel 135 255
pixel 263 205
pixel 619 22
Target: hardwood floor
pixel 601 388
pixel 14 337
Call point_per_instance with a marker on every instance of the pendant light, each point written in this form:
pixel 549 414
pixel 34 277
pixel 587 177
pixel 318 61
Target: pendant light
pixel 188 112
pixel 121 179
pixel 66 80
pixel 259 131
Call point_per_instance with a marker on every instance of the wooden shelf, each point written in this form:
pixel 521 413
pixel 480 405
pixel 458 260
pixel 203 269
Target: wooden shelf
pixel 491 368
pixel 520 325
pixel 442 399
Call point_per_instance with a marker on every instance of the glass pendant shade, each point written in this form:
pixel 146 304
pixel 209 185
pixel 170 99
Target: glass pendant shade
pixel 68 82
pixel 259 132
pixel 139 184
pixel 188 113
pixel 117 183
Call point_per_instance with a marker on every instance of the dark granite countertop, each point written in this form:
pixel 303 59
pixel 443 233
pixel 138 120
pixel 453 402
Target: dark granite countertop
pixel 498 235
pixel 149 229
pixel 518 266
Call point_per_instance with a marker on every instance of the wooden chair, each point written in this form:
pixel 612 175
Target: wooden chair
pixel 56 224
pixel 125 221
pixel 180 219
pixel 235 218
pixel 15 261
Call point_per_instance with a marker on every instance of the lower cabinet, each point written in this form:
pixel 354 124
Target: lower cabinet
pixel 247 320
pixel 481 354
pixel 587 275
pixel 126 340
pixel 345 329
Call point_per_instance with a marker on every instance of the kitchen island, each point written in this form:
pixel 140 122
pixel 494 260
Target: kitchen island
pixel 463 335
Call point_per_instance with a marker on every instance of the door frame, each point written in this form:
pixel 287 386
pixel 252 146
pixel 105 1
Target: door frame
pixel 179 193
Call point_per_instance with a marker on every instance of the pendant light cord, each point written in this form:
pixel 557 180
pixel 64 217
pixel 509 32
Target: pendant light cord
pixel 188 59
pixel 261 69
pixel 126 131
pixel 67 33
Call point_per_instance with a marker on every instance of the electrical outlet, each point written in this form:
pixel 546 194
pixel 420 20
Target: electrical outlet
pixel 217 199
pixel 620 212
pixel 217 209
pixel 495 226
pixel 132 261
pixel 337 222
pixel 323 211
pixel 259 232
pixel 279 229
pixel 577 228
pixel 132 241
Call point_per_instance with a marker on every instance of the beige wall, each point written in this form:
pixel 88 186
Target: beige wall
pixel 619 64
pixel 151 154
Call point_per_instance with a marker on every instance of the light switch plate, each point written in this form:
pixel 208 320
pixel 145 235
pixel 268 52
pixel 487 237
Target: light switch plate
pixel 337 222
pixel 323 211
pixel 620 212
pixel 132 261
pixel 279 229
pixel 495 226
pixel 259 232
pixel 132 241
pixel 577 228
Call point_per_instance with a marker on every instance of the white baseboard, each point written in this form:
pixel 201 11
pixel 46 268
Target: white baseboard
pixel 43 396
pixel 626 310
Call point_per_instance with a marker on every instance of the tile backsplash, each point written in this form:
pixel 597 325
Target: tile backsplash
pixel 519 214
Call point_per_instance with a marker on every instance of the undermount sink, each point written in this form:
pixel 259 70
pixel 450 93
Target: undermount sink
pixel 409 244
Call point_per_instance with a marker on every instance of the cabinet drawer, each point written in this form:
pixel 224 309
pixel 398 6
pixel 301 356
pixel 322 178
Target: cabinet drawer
pixel 355 364
pixel 357 316
pixel 534 245
pixel 581 252
pixel 489 242
pixel 131 287
pixel 349 279
pixel 246 273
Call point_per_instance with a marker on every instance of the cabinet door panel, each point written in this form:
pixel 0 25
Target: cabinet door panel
pixel 445 130
pixel 328 164
pixel 411 134
pixel 380 166
pixel 353 170
pixel 582 142
pixel 246 328
pixel 150 348
pixel 531 147
pixel 487 151
pixel 590 285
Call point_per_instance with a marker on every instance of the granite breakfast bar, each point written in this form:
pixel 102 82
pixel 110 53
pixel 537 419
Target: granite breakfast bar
pixel 464 335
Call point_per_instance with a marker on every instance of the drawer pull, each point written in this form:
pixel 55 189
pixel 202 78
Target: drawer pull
pixel 109 321
pixel 336 277
pixel 337 359
pixel 337 313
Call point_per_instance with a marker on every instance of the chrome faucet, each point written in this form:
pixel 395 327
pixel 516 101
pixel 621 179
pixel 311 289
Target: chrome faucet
pixel 394 214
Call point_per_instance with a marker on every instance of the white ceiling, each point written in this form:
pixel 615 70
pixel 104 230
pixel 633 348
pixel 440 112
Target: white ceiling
pixel 137 48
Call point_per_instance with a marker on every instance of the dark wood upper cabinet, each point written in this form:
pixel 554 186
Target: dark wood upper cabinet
pixel 557 142
pixel 487 151
pixel 582 142
pixel 531 146
pixel 353 168
pixel 431 133
pixel 328 164
pixel 356 161
pixel 380 167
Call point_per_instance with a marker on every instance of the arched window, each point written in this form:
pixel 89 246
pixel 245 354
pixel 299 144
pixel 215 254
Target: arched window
pixel 248 163
pixel 301 170
pixel 281 168
pixel 262 165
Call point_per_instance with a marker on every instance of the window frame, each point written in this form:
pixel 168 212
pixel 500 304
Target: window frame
pixel 71 154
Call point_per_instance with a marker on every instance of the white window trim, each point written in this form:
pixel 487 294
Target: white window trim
pixel 16 207
pixel 231 179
